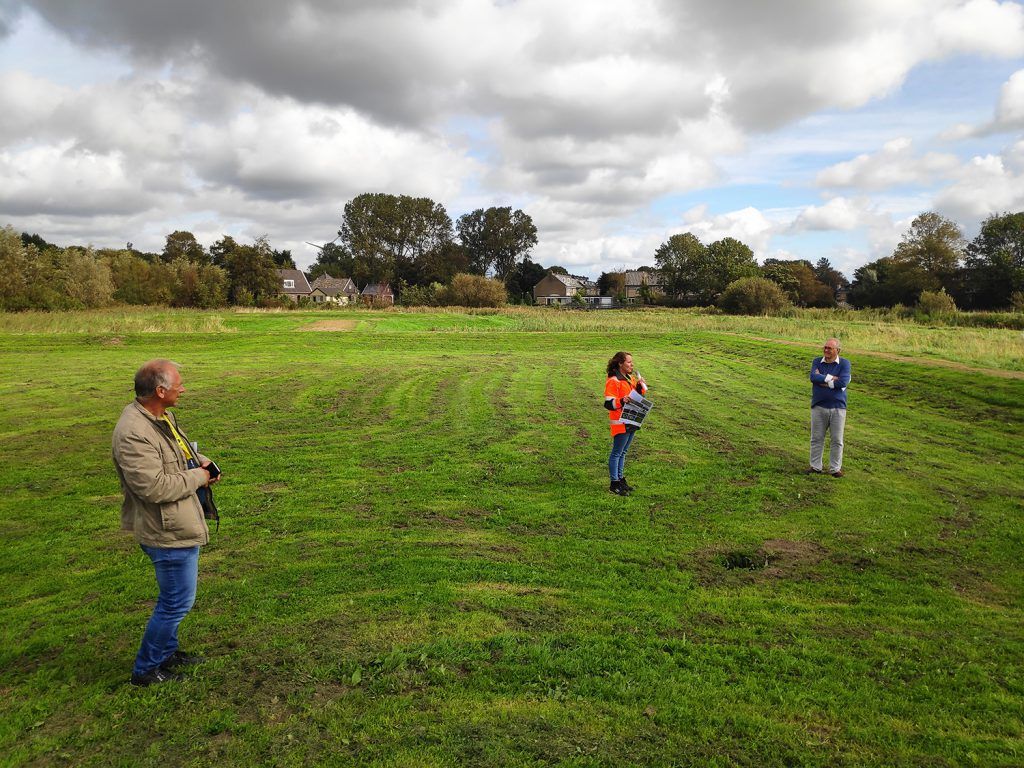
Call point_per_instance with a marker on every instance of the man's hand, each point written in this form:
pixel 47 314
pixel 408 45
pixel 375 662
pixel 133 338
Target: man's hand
pixel 209 480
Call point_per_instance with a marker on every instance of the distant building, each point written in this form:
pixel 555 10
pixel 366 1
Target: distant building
pixel 640 282
pixel 377 293
pixel 333 290
pixel 561 289
pixel 293 283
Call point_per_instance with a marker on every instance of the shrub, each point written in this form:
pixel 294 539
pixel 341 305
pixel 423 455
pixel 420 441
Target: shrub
pixel 753 296
pixel 474 291
pixel 421 295
pixel 1017 301
pixel 936 303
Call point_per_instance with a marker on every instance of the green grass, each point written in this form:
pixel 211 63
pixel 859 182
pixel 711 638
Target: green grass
pixel 419 563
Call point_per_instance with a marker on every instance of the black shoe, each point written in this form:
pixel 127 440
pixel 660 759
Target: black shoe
pixel 154 676
pixel 180 659
pixel 618 488
pixel 626 485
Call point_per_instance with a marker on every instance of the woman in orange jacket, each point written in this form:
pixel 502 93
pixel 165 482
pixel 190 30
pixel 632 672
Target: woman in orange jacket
pixel 621 381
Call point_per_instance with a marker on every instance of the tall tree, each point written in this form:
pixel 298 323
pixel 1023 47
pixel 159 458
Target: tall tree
pixel 333 260
pixel 995 262
pixel 283 259
pixel 521 279
pixel 727 259
pixel 83 279
pixel 886 282
pixel 221 249
pixel 800 282
pixel 388 235
pixel 252 273
pixel 681 260
pixel 830 276
pixel 138 280
pixel 496 238
pixel 28 275
pixel 198 285
pixel 183 245
pixel 933 245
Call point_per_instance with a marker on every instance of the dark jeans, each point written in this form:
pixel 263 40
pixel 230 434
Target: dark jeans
pixel 617 459
pixel 176 573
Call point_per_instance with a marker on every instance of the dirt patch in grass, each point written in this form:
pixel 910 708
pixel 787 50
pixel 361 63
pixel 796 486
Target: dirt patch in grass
pixel 273 487
pixel 105 500
pixel 775 559
pixel 962 518
pixel 971 584
pixel 458 519
pixel 717 443
pixel 330 325
pixel 545 528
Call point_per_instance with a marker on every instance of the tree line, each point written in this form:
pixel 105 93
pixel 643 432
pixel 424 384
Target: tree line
pixel 413 244
pixel 986 273
pixel 695 274
pixel 932 258
pixel 408 242
pixel 40 275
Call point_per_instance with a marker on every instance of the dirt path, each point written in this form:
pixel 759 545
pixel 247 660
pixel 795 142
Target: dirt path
pixel 330 325
pixel 999 372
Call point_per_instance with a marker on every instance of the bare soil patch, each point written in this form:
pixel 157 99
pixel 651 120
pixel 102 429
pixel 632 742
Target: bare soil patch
pixel 774 559
pixel 330 325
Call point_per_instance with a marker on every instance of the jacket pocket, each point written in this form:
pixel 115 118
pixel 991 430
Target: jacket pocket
pixel 170 516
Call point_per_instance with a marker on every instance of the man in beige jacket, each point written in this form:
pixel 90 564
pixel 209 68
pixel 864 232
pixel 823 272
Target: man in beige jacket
pixel 152 458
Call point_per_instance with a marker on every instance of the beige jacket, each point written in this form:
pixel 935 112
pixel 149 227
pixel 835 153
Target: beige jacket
pixel 160 503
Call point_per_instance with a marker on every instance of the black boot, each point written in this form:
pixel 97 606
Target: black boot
pixel 626 485
pixel 618 488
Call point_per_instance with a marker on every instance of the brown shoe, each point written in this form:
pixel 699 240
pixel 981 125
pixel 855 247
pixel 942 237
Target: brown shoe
pixel 812 471
pixel 837 473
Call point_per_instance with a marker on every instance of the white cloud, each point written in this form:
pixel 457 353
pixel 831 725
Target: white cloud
pixel 985 185
pixel 895 165
pixel 65 180
pixel 278 149
pixel 980 26
pixel 1010 111
pixel 749 225
pixel 839 213
pixel 253 116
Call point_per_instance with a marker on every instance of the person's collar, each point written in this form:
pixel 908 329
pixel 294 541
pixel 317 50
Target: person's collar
pixel 142 408
pixel 826 362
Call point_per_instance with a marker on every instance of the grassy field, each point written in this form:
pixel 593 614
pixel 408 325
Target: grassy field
pixel 419 563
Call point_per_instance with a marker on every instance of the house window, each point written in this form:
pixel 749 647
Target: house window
pixel 289 283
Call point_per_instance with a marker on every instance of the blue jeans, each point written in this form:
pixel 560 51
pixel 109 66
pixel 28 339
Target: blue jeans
pixel 617 459
pixel 176 574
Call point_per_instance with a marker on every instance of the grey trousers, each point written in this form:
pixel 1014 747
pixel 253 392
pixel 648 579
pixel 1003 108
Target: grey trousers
pixel 833 420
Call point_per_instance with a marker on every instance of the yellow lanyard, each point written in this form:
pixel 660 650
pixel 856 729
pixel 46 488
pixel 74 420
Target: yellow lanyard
pixel 181 441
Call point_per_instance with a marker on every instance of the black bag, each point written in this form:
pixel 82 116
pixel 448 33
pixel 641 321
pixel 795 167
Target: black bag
pixel 205 496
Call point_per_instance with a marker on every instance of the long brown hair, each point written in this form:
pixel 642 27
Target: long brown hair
pixel 617 359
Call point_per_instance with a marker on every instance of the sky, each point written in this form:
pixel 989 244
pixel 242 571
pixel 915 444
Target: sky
pixel 806 129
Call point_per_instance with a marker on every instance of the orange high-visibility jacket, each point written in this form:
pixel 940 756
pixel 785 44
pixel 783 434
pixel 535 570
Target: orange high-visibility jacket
pixel 616 389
